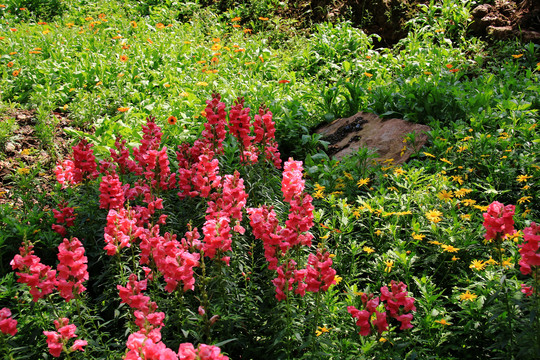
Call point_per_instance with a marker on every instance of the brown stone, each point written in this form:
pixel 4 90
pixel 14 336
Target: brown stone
pixel 384 136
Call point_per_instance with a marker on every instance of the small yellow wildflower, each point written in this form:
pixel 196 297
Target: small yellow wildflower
pixel 445 195
pixel 434 242
pixel 202 83
pixel 517 56
pixel 356 214
pixel 362 182
pixel 337 279
pixel 399 171
pixel 321 330
pixel 416 236
pixel 462 192
pixel 467 296
pixel 507 263
pixel 466 217
pixel 378 232
pixel 445 161
pixel 434 216
pixel 318 194
pixel 442 322
pixel 23 170
pixel 449 248
pixel 368 249
pixel 524 199
pixel 468 202
pixel 477 265
pixel 389 264
pixel 348 175
pixel 523 178
pixel 454 258
pixel 490 261
pixel 429 155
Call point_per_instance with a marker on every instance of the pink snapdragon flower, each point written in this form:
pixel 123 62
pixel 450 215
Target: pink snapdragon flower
pixel 57 340
pixel 7 324
pixel 498 220
pixel 72 269
pixel 530 250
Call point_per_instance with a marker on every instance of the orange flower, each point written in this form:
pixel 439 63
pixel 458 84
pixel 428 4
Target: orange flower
pixel 454 70
pixel 34 52
pixel 215 59
pixel 2 37
pixel 123 109
pixel 123 58
pixel 133 24
pixel 247 31
pixel 10 64
pixel 160 25
pixel 263 18
pixel 517 56
pixel 150 41
pixel 284 81
pixel 236 19
pixel 2 6
pixel 216 40
pixel 368 57
pixel 261 58
pixel 240 50
pixel 13 29
pixel 16 72
pixel 236 26
pixel 42 23
pixel 117 37
pixel 449 66
pixel 125 47
pixel 171 120
pixel 89 18
pixel 101 16
pixel 13 53
pixel 368 74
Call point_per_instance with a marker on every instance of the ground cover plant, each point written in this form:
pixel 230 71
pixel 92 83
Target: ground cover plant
pixel 194 214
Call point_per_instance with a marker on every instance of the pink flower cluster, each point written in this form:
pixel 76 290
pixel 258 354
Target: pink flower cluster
pixel 83 164
pixel 72 269
pixel 214 129
pixel 265 135
pixel 147 318
pixel 57 340
pixel 63 216
pixel 7 324
pixel 111 193
pixel 203 352
pixel 530 251
pixel 121 230
pixel 498 220
pixel 39 277
pixel 398 306
pixel 278 241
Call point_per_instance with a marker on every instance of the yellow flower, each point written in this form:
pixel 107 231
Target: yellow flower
pixel 462 192
pixel 507 263
pixel 321 330
pixel 469 202
pixel 446 161
pixel 202 83
pixel 378 232
pixel 429 155
pixel 467 296
pixel 523 178
pixel 356 214
pixel 368 249
pixel 442 322
pixel 434 242
pixel 389 264
pixel 123 109
pixel 454 258
pixel 318 194
pixel 524 199
pixel 477 265
pixel 368 74
pixel 466 217
pixel 399 171
pixel 23 170
pixel 434 216
pixel 445 195
pixel 517 56
pixel 416 236
pixel 490 261
pixel 449 248
pixel 337 279
pixel 362 182
pixel 25 152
